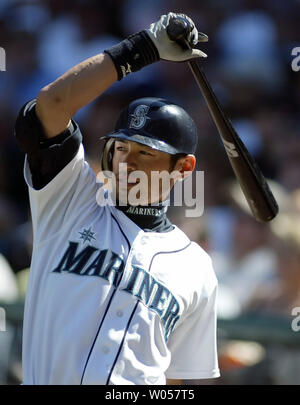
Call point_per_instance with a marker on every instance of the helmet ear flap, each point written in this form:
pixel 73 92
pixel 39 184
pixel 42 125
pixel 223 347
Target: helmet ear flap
pixel 107 155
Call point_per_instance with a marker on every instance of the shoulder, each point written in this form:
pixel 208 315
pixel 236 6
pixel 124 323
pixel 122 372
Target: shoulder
pixel 186 257
pixel 197 262
pixel 192 249
pixel 200 264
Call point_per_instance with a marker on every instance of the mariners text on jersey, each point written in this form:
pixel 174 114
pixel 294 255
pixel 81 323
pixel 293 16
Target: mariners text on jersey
pixel 91 261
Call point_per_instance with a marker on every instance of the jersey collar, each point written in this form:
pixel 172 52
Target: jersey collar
pixel 149 218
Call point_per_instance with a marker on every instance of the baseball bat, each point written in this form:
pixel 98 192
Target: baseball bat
pixel 252 182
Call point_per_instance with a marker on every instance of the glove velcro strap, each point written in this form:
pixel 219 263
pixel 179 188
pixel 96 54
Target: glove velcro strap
pixel 133 53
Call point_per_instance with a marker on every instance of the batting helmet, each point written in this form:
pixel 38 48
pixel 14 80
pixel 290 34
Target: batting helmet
pixel 156 123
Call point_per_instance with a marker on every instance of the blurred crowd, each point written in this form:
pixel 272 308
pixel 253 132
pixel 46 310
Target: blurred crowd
pixel 249 67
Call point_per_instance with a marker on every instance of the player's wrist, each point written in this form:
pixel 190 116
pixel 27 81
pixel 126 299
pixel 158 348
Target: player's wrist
pixel 133 53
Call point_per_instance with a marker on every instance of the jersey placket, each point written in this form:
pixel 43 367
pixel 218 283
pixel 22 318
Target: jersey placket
pixel 114 327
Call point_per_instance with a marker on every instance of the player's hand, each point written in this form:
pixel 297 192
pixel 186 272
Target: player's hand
pixel 171 50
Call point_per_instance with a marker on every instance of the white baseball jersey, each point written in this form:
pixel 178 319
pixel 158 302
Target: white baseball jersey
pixel 108 303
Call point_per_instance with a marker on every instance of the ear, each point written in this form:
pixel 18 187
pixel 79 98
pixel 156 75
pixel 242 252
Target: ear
pixel 185 165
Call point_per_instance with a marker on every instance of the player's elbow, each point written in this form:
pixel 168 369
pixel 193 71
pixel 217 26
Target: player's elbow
pixel 49 108
pixel 47 98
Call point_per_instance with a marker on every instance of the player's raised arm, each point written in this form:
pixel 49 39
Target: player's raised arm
pixel 59 101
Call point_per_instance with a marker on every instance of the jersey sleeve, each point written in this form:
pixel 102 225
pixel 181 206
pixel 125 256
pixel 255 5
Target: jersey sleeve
pixel 45 157
pixel 193 344
pixel 61 184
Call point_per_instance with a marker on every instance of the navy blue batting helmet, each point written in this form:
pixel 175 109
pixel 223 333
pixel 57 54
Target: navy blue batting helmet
pixel 154 122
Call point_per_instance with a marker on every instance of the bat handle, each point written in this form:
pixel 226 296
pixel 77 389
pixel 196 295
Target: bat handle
pixel 178 30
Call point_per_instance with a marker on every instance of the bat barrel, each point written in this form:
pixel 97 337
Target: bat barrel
pixel 253 184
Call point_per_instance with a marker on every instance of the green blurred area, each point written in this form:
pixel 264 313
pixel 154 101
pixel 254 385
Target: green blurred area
pixel 256 327
pixel 268 343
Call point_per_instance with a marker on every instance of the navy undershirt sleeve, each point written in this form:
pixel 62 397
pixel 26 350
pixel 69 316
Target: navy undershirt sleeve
pixel 46 156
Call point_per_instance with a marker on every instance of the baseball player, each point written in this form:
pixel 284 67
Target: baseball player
pixel 116 294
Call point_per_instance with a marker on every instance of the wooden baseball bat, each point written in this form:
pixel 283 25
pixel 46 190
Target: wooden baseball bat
pixel 253 184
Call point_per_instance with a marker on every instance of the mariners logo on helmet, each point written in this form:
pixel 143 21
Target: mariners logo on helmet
pixel 139 117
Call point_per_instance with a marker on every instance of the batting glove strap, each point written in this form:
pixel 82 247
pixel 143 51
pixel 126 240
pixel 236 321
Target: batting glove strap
pixel 133 54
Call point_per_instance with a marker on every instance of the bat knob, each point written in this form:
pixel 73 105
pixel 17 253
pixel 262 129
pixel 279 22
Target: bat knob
pixel 178 29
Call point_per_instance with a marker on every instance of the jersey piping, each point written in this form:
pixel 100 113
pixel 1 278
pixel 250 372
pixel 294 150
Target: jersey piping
pixel 107 307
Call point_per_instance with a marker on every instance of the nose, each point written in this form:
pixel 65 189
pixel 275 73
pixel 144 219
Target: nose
pixel 131 160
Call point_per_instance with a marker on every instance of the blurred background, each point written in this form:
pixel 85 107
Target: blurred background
pixel 249 65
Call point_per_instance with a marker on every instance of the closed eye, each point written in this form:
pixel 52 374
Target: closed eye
pixel 143 152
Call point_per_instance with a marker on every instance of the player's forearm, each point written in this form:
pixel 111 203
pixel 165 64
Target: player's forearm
pixel 58 102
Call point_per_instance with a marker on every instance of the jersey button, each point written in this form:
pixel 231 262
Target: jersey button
pixel 105 349
pixel 119 313
pixel 139 257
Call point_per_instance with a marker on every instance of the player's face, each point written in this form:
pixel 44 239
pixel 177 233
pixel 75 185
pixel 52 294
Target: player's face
pixel 138 178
